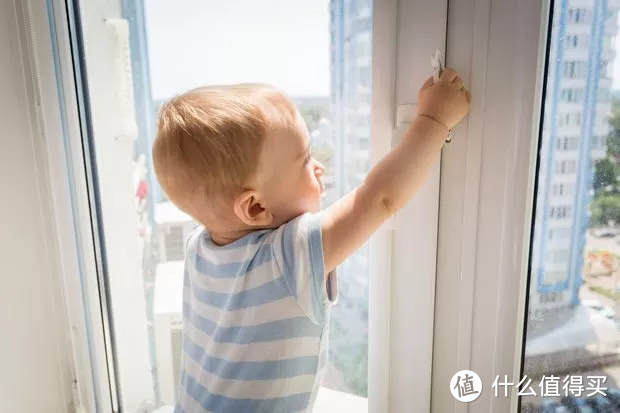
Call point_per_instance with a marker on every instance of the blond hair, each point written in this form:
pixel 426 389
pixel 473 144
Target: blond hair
pixel 209 140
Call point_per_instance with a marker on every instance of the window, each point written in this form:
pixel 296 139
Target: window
pixel 563 119
pixel 494 271
pixel 572 94
pixel 575 69
pixel 577 15
pixel 564 282
pixel 565 143
pixel 569 119
pixel 323 64
pixel 565 167
pixel 575 41
pixel 550 297
pixel 599 142
pixel 563 189
pixel 560 212
pixel 535 297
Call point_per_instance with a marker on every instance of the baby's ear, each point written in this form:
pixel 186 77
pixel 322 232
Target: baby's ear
pixel 249 210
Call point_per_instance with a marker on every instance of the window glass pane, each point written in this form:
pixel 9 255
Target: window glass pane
pixel 319 53
pixel 573 319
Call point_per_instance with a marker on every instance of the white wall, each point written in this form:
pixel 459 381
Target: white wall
pixel 35 375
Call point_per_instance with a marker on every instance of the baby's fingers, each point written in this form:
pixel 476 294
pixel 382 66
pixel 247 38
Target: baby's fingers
pixel 448 75
pixel 458 82
pixel 429 82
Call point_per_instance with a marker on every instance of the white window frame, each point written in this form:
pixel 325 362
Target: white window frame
pixel 405 34
pixel 58 115
pixel 487 193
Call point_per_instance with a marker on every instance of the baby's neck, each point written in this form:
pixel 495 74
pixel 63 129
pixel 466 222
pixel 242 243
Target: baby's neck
pixel 227 237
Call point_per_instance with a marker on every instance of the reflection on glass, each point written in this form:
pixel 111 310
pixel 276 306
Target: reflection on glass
pixel 318 52
pixel 573 329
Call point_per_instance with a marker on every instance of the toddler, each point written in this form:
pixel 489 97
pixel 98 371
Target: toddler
pixel 259 271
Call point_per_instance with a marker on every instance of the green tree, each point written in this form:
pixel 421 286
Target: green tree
pixel 605 208
pixel 605 173
pixel 613 141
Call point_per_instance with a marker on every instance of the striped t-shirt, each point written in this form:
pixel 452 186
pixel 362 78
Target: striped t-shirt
pixel 255 321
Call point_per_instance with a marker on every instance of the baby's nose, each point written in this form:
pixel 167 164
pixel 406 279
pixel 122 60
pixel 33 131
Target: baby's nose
pixel 320 169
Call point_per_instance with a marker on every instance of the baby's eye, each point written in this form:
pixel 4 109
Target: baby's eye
pixel 308 157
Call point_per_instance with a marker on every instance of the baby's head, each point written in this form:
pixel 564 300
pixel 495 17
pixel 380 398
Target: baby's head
pixel 236 158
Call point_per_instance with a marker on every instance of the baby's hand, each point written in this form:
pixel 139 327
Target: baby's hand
pixel 446 101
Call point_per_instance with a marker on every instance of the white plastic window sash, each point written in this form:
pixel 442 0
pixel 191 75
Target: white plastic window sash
pixel 487 190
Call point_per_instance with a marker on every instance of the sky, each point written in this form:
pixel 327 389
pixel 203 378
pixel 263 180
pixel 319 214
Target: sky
pixel 281 42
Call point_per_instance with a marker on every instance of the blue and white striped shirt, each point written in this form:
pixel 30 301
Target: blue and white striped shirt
pixel 255 321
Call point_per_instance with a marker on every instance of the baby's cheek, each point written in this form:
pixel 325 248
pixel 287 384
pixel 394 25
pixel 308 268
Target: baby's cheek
pixel 318 187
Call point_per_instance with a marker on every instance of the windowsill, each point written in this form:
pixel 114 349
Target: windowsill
pixel 327 401
pixel 333 401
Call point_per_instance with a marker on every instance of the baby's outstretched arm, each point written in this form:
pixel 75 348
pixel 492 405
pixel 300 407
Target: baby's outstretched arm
pixel 391 183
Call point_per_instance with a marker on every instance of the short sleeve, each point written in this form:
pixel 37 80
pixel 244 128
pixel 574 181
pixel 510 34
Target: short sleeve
pixel 298 249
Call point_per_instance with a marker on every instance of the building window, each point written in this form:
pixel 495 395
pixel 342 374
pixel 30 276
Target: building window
pixel 563 119
pixel 572 94
pixel 569 118
pixel 563 189
pixel 566 143
pixel 575 68
pixel 577 15
pixel 554 297
pixel 574 41
pixel 560 212
pixel 565 166
pixel 599 142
